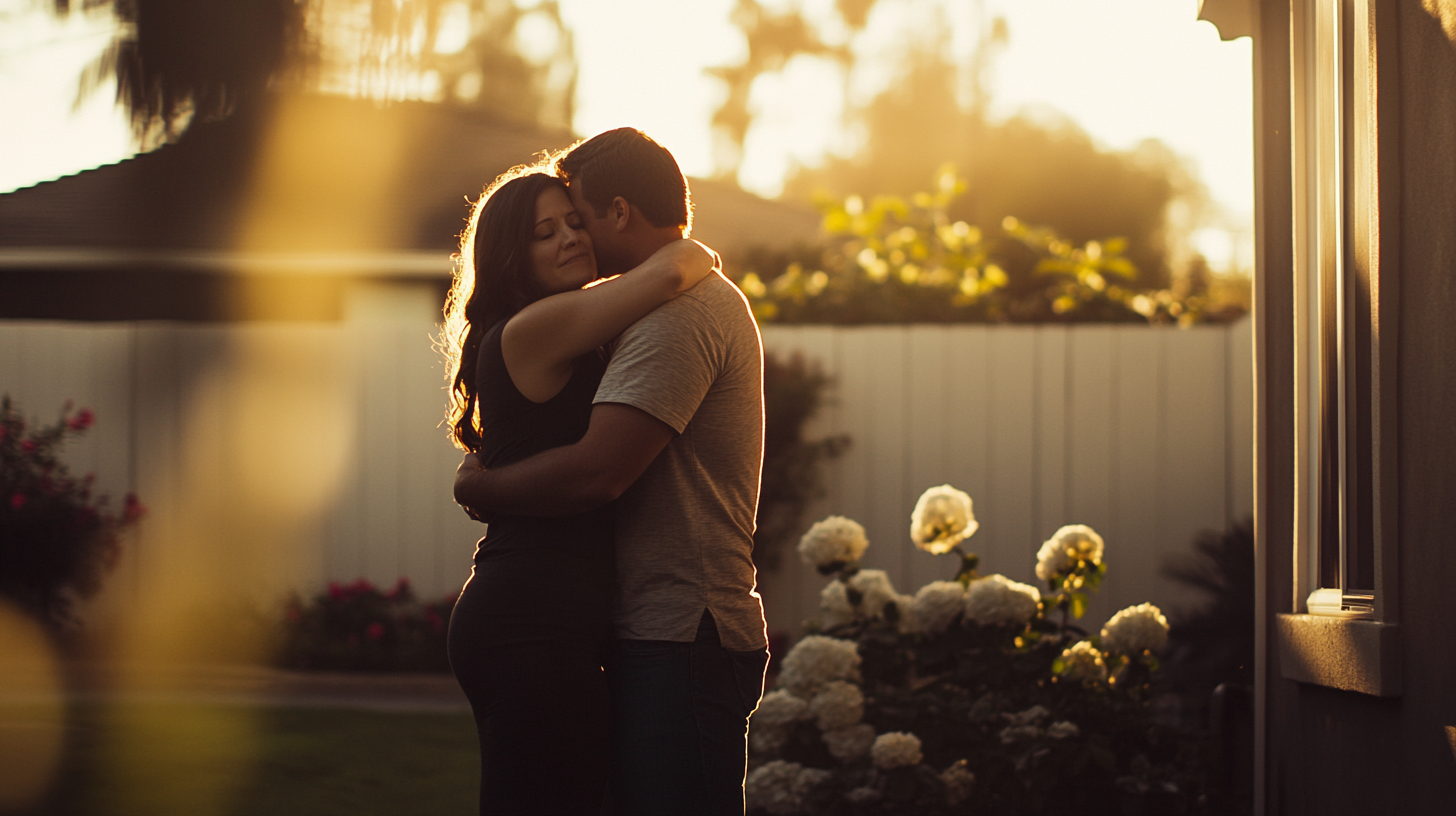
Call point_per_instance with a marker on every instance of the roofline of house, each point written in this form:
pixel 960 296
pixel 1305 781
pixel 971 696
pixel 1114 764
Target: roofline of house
pixel 213 262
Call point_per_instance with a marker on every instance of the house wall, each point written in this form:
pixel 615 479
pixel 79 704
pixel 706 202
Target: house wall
pixel 1331 751
pixel 278 456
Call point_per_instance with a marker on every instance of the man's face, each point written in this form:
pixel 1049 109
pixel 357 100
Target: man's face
pixel 604 236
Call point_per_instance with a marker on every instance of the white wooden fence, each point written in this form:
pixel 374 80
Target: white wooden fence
pixel 277 456
pixel 1145 434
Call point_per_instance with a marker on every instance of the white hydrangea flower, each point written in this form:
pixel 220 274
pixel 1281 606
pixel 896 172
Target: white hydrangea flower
pixel 833 539
pixel 1082 662
pixel 997 599
pixel 1063 730
pixel 875 588
pixel 834 606
pixel 1134 630
pixel 1060 553
pixel 942 519
pixel 1012 734
pixel 863 795
pixel 837 705
pixel 816 660
pixel 958 781
pixel 937 604
pixel 1032 715
pixel 850 744
pixel 780 708
pixel 895 750
pixel 767 740
pixel 781 787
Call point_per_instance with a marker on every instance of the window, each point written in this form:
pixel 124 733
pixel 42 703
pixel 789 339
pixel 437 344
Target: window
pixel 1344 451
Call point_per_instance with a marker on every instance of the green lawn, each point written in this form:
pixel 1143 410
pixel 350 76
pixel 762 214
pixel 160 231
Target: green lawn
pixel 165 759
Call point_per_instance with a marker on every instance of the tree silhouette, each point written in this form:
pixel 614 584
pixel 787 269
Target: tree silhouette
pixel 179 61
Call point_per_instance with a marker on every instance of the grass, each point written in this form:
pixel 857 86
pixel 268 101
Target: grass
pixel 171 759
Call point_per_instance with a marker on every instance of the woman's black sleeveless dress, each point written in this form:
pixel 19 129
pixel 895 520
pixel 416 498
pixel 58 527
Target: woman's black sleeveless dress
pixel 529 634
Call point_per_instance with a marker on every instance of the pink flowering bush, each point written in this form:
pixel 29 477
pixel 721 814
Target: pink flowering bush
pixel 58 540
pixel 359 627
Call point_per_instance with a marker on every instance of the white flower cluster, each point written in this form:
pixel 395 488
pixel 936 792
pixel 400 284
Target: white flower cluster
pixel 817 660
pixel 1134 630
pixel 834 606
pixel 782 788
pixel 1063 730
pixel 835 539
pixel 849 744
pixel 776 713
pixel 942 519
pixel 895 750
pixel 780 708
pixel 875 592
pixel 1081 662
pixel 838 705
pixel 937 604
pixel 1060 553
pixel 996 599
pixel 958 781
pixel 1032 715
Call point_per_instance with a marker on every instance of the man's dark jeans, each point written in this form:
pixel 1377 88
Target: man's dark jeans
pixel 681 723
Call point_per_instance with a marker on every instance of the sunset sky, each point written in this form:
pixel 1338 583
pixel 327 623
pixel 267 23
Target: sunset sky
pixel 1124 70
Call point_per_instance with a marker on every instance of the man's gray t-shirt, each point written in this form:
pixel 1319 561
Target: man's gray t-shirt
pixel 685 527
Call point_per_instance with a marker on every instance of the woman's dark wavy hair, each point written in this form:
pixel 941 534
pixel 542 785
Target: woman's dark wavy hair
pixel 493 280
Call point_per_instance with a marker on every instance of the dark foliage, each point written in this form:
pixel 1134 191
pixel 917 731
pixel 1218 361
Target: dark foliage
pixel 1214 643
pixel 358 627
pixel 189 59
pixel 792 394
pixel 960 690
pixel 57 540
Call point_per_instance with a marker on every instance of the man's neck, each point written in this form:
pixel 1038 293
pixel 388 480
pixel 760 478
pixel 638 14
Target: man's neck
pixel 647 242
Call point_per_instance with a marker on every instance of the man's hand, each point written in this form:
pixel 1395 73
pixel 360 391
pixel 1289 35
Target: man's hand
pixel 620 442
pixel 469 467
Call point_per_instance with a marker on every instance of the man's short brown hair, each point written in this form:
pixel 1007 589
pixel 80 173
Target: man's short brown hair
pixel 627 162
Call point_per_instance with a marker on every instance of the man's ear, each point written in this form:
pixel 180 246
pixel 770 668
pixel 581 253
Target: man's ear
pixel 621 214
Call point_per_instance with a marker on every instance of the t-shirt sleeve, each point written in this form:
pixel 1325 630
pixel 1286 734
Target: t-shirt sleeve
pixel 665 363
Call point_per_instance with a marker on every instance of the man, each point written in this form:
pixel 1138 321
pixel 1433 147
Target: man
pixel 676 437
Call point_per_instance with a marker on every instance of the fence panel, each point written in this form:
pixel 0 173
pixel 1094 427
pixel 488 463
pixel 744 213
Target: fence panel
pixel 1132 430
pixel 1145 434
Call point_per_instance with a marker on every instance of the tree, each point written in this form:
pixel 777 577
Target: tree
pixel 178 61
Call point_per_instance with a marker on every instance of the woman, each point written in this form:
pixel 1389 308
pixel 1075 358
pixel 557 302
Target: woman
pixel 529 633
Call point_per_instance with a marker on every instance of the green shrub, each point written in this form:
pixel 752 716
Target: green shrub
pixel 904 260
pixel 793 391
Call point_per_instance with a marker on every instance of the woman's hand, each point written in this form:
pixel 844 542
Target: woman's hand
pixel 685 261
pixel 541 342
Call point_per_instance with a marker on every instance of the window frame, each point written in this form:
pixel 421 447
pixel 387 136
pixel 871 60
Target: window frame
pixel 1338 192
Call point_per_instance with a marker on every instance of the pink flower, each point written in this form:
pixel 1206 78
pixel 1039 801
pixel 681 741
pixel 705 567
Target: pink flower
pixel 28 446
pixel 336 592
pixel 375 630
pixel 17 501
pixel 82 420
pixel 134 508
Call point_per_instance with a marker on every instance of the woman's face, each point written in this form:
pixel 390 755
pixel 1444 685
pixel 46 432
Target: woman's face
pixel 561 249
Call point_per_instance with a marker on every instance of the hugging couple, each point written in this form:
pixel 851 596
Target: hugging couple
pixel 610 638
